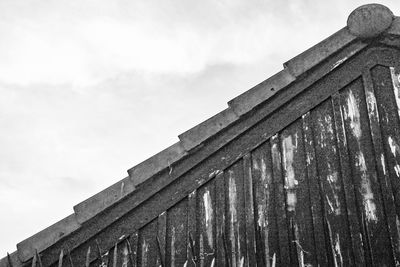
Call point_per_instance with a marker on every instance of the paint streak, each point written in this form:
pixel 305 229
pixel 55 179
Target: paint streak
pixel 233 216
pixel 338 63
pixel 263 222
pixel 366 191
pixel 371 105
pixel 125 258
pixel 396 86
pixel 397 169
pixel 332 179
pixel 241 262
pixel 288 149
pixel 213 263
pixel 145 250
pixel 337 250
pixel 208 211
pixel 214 173
pixel 201 250
pixel 173 252
pixel 352 112
pixel 273 260
pixel 383 164
pixel 398 230
pixel 299 249
pixel 393 146
pixel 334 248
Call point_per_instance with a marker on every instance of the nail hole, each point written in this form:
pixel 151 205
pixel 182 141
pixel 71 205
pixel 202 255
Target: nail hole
pixel 272 89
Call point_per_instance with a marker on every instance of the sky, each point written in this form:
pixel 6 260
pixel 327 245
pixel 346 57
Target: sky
pixel 89 89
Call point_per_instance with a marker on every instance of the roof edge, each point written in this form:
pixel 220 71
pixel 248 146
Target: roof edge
pixel 157 163
pixel 90 207
pixel 47 237
pixel 319 52
pixel 201 132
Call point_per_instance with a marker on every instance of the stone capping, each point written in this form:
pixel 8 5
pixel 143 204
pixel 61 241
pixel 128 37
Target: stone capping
pixel 201 132
pixel 369 20
pixel 47 237
pixel 237 107
pixel 90 207
pixel 395 27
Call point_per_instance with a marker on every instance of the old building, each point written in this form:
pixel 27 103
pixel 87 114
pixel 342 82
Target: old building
pixel 301 170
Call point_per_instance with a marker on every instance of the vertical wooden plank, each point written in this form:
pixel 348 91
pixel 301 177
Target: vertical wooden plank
pixel 115 255
pixel 387 88
pixel 297 195
pixel 361 156
pixel 235 214
pixel 220 220
pixel 337 233
pixel 250 259
pixel 133 242
pixel 352 209
pixel 280 206
pixel 192 230
pixel 87 260
pixel 267 239
pixel 161 238
pixel 177 234
pixel 206 223
pixel 148 247
pixel 60 258
pixel 317 211
pixel 380 161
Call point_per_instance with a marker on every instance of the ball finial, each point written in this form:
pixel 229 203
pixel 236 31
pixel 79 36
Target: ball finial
pixel 370 20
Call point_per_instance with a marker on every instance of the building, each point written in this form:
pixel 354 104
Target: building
pixel 301 170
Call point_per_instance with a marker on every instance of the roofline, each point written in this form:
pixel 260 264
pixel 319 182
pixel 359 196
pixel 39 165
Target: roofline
pixel 241 105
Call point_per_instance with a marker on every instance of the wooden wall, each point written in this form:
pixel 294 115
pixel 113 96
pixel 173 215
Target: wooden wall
pixel 322 191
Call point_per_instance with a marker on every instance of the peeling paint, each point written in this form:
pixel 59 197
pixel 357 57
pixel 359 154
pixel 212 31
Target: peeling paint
pixel 371 105
pixel 333 247
pixel 212 263
pixel 332 179
pixel 352 112
pixel 398 230
pixel 208 211
pixel 394 147
pixel 145 250
pixel 241 263
pixel 214 173
pixel 366 191
pixel 338 63
pixel 125 258
pixel 173 252
pixel 233 215
pixel 383 164
pixel 273 260
pixel 396 86
pixel 338 252
pixel 397 170
pixel 288 149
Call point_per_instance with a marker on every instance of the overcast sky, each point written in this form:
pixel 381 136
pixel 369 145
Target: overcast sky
pixel 88 89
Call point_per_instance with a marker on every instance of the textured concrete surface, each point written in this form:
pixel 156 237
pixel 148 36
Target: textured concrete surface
pixel 369 20
pixel 46 237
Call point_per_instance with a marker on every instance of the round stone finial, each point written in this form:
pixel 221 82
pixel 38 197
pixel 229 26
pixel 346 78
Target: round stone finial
pixel 370 20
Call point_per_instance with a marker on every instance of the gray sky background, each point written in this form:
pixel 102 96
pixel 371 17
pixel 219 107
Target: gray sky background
pixel 90 88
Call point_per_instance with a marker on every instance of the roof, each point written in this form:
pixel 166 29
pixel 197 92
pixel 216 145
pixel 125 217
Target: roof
pixel 364 24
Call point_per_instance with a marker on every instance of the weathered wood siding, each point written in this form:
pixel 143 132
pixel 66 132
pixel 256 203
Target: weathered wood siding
pixel 321 190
